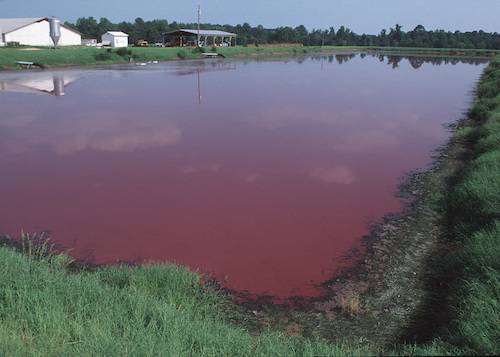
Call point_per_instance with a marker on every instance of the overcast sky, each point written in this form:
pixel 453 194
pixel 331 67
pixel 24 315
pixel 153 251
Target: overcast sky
pixel 360 16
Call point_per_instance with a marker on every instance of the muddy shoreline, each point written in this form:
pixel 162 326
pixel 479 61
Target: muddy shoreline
pixel 397 290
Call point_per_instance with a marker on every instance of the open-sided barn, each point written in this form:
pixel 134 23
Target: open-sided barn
pixel 204 36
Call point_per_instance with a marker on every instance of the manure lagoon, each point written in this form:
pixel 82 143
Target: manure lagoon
pixel 264 173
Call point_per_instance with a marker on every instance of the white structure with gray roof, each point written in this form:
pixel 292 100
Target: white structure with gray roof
pixel 115 39
pixel 35 31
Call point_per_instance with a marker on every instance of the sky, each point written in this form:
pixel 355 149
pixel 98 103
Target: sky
pixel 360 16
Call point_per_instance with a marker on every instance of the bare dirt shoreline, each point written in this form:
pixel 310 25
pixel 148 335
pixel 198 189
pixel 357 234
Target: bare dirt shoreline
pixel 397 291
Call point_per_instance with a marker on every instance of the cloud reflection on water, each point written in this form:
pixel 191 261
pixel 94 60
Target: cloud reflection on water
pixel 93 130
pixel 337 174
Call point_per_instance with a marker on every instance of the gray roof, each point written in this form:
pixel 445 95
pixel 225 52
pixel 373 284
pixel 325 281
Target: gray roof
pixel 9 25
pixel 191 32
pixel 116 33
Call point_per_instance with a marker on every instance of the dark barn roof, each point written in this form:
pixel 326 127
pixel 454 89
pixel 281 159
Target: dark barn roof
pixel 189 32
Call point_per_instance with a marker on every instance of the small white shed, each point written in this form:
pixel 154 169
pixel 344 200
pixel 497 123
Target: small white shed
pixel 115 38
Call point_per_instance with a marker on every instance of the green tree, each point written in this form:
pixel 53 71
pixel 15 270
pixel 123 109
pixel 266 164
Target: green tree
pixel 396 36
pixel 383 39
pixel 330 37
pixel 105 25
pixel 301 35
pixel 88 27
pixel 261 35
pixel 244 33
pixel 156 28
pixel 317 37
pixel 282 35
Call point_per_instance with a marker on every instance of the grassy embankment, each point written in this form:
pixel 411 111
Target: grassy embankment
pixel 473 206
pixel 154 310
pixel 49 309
pixel 83 55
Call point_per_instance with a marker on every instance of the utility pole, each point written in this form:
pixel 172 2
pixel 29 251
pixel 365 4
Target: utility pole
pixel 199 13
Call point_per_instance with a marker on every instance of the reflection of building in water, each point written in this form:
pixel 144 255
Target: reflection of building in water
pixel 49 83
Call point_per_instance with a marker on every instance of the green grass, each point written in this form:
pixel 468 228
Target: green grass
pixel 151 310
pixel 474 211
pixel 85 55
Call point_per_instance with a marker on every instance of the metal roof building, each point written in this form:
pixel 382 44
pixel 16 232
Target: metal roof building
pixel 35 31
pixel 204 36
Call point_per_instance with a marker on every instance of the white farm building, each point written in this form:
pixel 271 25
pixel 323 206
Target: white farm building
pixel 115 39
pixel 35 31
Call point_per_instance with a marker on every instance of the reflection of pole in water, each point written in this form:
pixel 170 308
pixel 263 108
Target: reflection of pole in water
pixel 59 86
pixel 199 88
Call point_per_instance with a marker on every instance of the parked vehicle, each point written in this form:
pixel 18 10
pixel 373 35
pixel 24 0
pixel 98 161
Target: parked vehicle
pixel 141 43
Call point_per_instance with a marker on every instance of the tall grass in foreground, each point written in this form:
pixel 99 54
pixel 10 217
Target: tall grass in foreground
pixel 152 310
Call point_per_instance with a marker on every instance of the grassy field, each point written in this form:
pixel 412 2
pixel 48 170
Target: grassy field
pixel 50 307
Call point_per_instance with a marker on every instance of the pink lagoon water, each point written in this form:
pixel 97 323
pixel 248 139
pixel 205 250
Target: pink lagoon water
pixel 264 173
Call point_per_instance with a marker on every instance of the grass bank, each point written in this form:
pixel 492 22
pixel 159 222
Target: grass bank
pixel 473 210
pixel 429 285
pixel 84 55
pixel 49 309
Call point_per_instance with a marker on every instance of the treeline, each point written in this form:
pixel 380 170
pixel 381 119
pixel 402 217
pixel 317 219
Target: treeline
pixel 151 31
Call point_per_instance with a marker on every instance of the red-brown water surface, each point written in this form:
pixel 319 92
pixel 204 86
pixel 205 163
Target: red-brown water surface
pixel 266 172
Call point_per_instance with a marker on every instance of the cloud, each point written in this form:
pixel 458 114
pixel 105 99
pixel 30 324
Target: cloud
pixel 118 141
pixel 94 130
pixel 363 141
pixel 336 174
pixel 195 168
pixel 251 177
pixel 18 121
